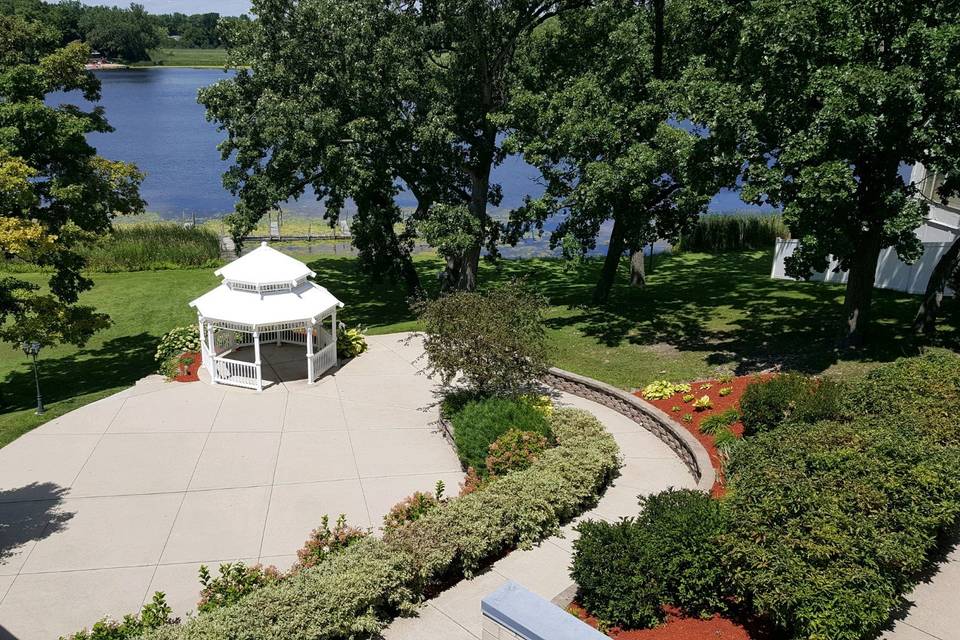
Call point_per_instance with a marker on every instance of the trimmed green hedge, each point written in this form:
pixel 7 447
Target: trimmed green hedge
pixel 832 521
pixel 356 593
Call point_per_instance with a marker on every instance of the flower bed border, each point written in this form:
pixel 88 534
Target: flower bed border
pixel 690 451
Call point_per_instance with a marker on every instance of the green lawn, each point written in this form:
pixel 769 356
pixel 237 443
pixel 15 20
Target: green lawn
pixel 170 57
pixel 699 313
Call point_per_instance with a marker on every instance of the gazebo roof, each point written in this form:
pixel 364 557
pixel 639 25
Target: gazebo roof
pixel 308 301
pixel 265 288
pixel 264 266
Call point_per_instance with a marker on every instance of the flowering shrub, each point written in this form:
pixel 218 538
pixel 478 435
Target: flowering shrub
pixel 178 341
pixel 663 389
pixel 324 541
pixel 413 507
pixel 235 581
pixel 514 450
pixel 154 615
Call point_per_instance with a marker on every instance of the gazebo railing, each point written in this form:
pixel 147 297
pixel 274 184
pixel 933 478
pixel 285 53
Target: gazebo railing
pixel 237 373
pixel 324 360
pixel 288 336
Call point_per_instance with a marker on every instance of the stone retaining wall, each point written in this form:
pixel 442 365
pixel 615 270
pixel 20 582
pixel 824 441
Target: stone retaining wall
pixel 687 448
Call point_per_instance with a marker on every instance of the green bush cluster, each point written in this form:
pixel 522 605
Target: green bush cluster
pixel 146 247
pixel 789 397
pixel 826 522
pixel 513 451
pixel 628 571
pixel 717 233
pixel 357 591
pixel 479 423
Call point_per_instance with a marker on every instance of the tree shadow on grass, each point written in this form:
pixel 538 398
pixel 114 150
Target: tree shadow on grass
pixel 29 513
pixel 117 362
pixel 727 308
pixel 369 302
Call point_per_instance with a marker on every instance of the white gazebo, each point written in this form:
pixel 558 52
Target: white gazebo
pixel 266 297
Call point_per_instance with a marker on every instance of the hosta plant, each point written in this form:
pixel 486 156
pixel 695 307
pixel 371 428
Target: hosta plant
pixel 350 342
pixel 663 389
pixel 702 403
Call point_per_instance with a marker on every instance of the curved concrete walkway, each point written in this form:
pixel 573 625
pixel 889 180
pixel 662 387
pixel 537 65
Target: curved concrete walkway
pixel 649 467
pixel 107 504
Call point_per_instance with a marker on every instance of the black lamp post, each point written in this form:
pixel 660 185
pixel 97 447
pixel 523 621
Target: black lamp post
pixel 32 349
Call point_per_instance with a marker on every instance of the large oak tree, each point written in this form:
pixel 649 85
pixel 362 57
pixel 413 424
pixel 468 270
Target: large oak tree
pixel 55 190
pixel 827 99
pixel 596 112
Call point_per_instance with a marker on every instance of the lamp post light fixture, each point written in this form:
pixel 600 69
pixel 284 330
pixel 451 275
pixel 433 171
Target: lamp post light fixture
pixel 33 349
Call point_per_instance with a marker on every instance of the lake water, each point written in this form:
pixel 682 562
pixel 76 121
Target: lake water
pixel 161 128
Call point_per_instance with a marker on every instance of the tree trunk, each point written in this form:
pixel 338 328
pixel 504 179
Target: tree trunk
pixel 658 38
pixel 601 293
pixel 638 274
pixel 461 271
pixel 926 318
pixel 860 281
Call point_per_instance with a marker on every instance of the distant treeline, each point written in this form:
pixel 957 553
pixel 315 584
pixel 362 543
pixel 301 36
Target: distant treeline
pixel 122 34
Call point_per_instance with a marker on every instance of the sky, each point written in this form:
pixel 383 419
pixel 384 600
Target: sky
pixel 223 7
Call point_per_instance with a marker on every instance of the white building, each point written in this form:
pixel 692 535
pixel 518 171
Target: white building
pixel 937 233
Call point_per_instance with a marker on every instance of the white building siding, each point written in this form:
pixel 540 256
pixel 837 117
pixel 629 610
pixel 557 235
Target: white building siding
pixel 937 234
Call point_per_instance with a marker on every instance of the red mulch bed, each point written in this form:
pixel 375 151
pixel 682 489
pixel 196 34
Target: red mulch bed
pixel 678 627
pixel 189 372
pixel 720 404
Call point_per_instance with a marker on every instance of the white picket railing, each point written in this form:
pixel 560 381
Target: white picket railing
pixel 289 336
pixel 236 373
pixel 323 360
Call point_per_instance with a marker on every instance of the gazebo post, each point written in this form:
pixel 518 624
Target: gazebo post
pixel 333 334
pixel 256 359
pixel 310 372
pixel 212 350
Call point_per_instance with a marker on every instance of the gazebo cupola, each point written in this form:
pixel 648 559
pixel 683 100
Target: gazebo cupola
pixel 265 297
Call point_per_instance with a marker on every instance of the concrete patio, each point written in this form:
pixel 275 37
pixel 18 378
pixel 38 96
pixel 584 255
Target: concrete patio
pixel 105 505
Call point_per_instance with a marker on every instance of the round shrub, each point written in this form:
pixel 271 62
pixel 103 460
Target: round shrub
pixel 606 559
pixel 177 342
pixel 789 397
pixel 514 450
pixel 350 342
pixel 628 571
pixel 481 422
pixel 681 529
